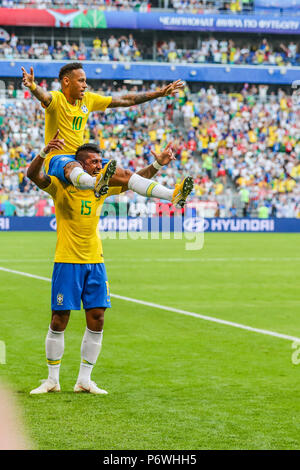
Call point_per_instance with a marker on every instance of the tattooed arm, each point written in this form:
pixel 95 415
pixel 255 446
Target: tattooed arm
pixel 137 98
pixel 28 80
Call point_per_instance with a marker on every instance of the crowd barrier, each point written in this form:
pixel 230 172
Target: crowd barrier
pixel 160 71
pixel 160 224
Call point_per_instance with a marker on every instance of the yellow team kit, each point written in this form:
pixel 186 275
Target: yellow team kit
pixel 77 215
pixel 70 120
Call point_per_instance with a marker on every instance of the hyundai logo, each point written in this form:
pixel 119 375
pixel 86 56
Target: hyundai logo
pixel 195 224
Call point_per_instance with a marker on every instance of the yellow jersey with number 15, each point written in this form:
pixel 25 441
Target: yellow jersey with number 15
pixel 77 216
pixel 70 120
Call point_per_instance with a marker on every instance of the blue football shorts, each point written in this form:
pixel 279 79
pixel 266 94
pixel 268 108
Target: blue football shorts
pixel 73 283
pixel 58 163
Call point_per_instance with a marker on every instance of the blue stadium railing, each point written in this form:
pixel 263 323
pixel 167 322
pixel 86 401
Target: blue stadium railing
pixel 160 71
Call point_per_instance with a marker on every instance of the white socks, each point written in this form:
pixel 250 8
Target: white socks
pixel 90 350
pixel 81 179
pixel 149 188
pixel 54 351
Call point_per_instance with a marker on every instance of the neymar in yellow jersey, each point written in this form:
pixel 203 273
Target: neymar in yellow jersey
pixel 79 271
pixel 68 110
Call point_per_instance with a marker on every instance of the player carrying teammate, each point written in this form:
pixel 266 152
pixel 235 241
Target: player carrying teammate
pixel 68 110
pixel 79 271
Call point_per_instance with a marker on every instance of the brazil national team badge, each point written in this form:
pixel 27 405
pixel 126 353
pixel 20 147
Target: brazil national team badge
pixel 84 109
pixel 60 299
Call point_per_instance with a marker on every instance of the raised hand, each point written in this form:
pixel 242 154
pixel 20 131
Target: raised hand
pixel 55 143
pixel 172 88
pixel 166 156
pixel 28 78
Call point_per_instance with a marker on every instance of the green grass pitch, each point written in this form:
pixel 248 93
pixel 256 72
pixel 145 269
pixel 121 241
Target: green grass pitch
pixel 174 381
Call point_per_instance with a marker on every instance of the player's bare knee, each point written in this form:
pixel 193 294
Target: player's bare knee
pixel 59 320
pixel 127 176
pixel 121 177
pixel 95 318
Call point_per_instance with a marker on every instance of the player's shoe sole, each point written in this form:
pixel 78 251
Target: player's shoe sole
pixel 102 180
pixel 91 387
pixel 47 386
pixel 182 191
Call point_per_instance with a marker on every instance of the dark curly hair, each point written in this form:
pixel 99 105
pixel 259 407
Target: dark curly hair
pixel 66 69
pixel 87 147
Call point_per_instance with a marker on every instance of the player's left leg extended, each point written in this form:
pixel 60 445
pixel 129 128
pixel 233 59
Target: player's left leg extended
pixel 149 188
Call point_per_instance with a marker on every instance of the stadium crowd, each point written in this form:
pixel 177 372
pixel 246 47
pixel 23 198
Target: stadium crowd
pixel 117 49
pixel 142 5
pixel 180 6
pixel 242 149
pixel 228 52
pixel 199 7
pixel 125 48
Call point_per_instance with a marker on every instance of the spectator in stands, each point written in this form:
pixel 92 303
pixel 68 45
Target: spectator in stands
pixel 8 208
pixel 55 85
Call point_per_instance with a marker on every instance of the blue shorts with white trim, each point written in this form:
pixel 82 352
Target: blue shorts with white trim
pixel 73 283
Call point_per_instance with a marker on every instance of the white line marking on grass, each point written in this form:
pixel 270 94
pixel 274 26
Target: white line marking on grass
pixel 176 310
pixel 201 260
pixel 163 260
pixel 23 260
pixel 21 273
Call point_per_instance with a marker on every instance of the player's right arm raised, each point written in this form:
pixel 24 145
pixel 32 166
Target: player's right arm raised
pixel 42 95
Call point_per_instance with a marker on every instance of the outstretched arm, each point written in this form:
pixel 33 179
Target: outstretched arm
pixel 28 80
pixel 163 158
pixel 137 98
pixel 35 171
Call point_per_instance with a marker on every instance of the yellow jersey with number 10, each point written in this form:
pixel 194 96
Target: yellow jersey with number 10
pixel 70 120
pixel 77 216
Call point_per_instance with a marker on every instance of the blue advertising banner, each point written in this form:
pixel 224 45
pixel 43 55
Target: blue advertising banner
pixel 160 224
pixel 256 23
pixel 262 21
pixel 158 71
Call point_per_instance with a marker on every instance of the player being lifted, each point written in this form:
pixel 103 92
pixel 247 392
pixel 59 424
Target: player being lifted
pixel 68 110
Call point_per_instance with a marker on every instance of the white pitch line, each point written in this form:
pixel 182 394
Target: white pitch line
pixel 201 260
pixel 163 260
pixel 176 310
pixel 21 273
pixel 24 260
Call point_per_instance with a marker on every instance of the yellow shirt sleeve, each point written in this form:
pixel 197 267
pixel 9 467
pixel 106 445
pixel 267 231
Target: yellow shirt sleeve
pixel 98 102
pixel 52 188
pixel 53 103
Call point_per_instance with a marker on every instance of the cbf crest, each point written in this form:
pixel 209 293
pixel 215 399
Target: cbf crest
pixel 84 109
pixel 60 299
